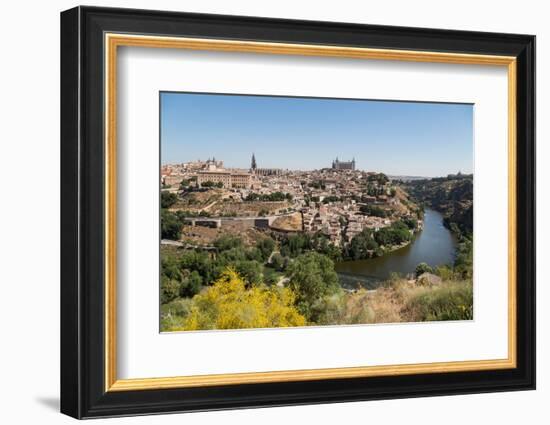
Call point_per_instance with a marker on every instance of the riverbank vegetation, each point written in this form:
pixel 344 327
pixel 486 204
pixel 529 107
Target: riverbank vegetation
pixel 370 243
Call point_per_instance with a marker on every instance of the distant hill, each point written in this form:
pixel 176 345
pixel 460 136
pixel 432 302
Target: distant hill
pixel 407 178
pixel 451 195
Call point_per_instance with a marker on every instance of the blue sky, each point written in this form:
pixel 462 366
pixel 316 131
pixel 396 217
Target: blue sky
pixel 397 138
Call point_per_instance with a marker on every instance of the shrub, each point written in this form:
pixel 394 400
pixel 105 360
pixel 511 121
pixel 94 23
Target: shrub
pixel 250 272
pixel 173 314
pixel 422 268
pixel 266 247
pixel 170 225
pixel 363 245
pixel 254 254
pixel 373 210
pixel 200 262
pixel 225 242
pixel 209 184
pixel 167 199
pixel 278 261
pixel 464 263
pixel 396 234
pixel 232 255
pixel 191 284
pixel 331 309
pixel 169 289
pixel 449 301
pixel 270 197
pixel 228 304
pixel 271 277
pixel 184 184
pixel 411 222
pixel 445 272
pixel 179 307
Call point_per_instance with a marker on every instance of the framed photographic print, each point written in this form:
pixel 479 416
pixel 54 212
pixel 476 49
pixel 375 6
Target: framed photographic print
pixel 261 212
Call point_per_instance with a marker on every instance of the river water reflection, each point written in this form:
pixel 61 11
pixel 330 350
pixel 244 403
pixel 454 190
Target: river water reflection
pixel 434 245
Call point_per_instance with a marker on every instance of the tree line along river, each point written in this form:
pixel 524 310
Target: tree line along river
pixel 434 245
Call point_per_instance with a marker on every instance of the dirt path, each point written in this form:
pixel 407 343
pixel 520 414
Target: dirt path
pixel 209 206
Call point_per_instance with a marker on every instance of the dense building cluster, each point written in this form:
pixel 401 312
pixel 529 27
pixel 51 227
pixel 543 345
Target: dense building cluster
pixel 338 201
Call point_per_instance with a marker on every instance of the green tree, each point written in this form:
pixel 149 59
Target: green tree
pixel 200 262
pixel 184 184
pixel 411 222
pixel 231 255
pixel 170 267
pixel 170 225
pixel 169 289
pixel 294 245
pixel 266 247
pixel 373 210
pixel 362 246
pixel 331 198
pixel 312 276
pixel 250 271
pixel 464 262
pixel 269 197
pixel 167 199
pixel 422 268
pixel 320 242
pixel 396 234
pixel 191 285
pixel 380 178
pixel 277 261
pixel 225 242
pixel 254 254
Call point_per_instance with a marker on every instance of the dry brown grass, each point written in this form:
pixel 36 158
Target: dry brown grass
pixel 402 301
pixel 385 305
pixel 201 235
pixel 291 222
pixel 196 201
pixel 247 209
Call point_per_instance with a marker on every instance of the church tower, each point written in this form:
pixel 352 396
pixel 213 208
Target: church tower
pixel 253 163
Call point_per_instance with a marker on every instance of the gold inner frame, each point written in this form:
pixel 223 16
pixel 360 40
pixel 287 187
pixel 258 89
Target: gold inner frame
pixel 113 41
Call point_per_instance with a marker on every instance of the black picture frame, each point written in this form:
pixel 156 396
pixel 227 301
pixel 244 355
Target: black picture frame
pixel 83 392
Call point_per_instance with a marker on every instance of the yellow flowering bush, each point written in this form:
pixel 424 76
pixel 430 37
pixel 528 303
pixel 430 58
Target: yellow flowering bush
pixel 228 304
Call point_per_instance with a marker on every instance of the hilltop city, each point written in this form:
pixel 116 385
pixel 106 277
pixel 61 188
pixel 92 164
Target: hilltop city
pixel 338 201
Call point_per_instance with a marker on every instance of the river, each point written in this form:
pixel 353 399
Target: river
pixel 434 245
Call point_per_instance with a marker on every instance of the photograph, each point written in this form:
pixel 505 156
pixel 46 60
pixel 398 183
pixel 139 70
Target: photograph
pixel 264 210
pixel 280 211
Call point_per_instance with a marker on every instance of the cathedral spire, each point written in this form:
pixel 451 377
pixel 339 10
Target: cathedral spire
pixel 253 162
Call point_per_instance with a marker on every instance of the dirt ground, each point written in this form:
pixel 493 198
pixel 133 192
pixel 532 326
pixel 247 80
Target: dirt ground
pixel 246 209
pixel 200 235
pixel 292 222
